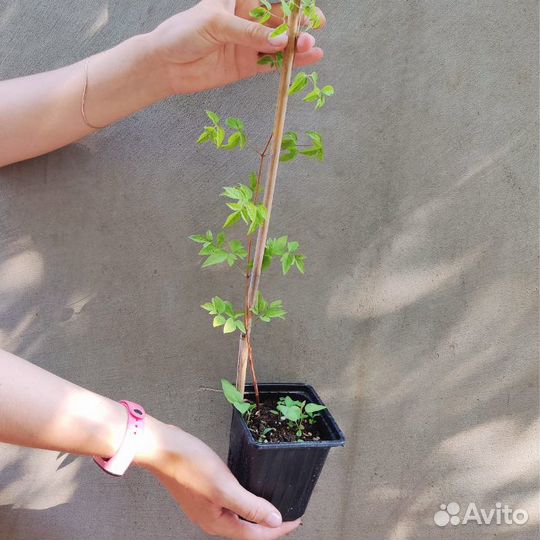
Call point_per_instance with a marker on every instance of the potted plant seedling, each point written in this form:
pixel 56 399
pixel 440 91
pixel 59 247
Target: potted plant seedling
pixel 280 433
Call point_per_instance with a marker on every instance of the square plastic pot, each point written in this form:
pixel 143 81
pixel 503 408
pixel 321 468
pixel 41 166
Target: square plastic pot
pixel 283 473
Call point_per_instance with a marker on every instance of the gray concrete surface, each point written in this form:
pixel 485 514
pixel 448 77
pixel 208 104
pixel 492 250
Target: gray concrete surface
pixel 416 320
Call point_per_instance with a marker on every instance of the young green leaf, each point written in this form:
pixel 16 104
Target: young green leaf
pixel 328 90
pixel 199 239
pixel 216 258
pixel 243 407
pixel 219 320
pixel 299 83
pixel 235 123
pixel 281 29
pixel 232 219
pixel 253 180
pixel 312 408
pixel 214 117
pixel 266 60
pixel 230 326
pixel 219 304
pixel 208 307
pixel 240 325
pixel 232 395
pixel 286 6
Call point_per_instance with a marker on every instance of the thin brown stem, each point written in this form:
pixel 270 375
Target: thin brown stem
pixel 247 312
pixel 253 375
pixel 254 273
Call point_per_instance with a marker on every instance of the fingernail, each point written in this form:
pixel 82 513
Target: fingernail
pixel 273 520
pixel 278 41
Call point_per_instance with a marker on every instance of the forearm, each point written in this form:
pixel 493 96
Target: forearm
pixel 40 410
pixel 42 112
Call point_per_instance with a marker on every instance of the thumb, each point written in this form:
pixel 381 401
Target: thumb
pixel 250 507
pixel 233 29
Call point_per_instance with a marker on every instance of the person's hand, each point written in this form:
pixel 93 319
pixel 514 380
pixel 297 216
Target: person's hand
pixel 204 487
pixel 216 43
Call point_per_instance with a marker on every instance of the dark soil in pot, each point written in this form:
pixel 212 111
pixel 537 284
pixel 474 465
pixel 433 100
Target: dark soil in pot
pixel 268 419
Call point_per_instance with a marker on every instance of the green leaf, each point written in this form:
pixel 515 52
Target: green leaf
pixel 205 136
pixel 230 326
pixel 232 193
pixel 289 156
pixel 215 258
pixel 286 8
pixel 267 261
pixel 293 246
pixel 290 138
pixel 229 310
pixel 266 60
pixel 299 261
pixel 293 413
pixel 260 13
pixel 315 137
pixel 328 90
pixel 231 219
pixel 280 245
pixel 232 395
pixel 238 248
pixel 281 29
pixel 299 83
pixel 243 407
pixel 219 320
pixel 276 313
pixel 286 262
pixel 240 325
pixel 313 408
pixel 214 117
pixel 235 123
pixel 312 96
pixel 199 239
pixel 220 136
pixel 234 140
pixel 219 304
pixel 208 306
pixel 253 181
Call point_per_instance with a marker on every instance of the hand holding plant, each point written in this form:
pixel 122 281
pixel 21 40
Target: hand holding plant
pixel 217 42
pixel 204 487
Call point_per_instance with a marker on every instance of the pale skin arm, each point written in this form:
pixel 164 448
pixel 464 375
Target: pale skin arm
pixel 41 410
pixel 210 45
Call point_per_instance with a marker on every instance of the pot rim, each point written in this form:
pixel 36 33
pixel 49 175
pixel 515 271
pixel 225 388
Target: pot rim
pixel 328 419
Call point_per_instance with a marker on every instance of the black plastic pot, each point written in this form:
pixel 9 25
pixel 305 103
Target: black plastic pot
pixel 283 473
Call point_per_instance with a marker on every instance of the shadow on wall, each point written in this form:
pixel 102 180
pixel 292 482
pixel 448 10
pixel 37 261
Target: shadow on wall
pixel 442 307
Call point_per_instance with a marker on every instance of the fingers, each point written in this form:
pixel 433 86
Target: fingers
pixel 255 509
pixel 304 43
pixel 231 526
pixel 232 29
pixel 312 56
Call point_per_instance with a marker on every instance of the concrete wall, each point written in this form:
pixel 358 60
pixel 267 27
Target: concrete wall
pixel 416 320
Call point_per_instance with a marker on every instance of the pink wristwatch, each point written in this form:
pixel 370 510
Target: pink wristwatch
pixel 118 464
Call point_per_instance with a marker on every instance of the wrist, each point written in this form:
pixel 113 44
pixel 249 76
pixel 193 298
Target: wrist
pixel 153 67
pixel 151 453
